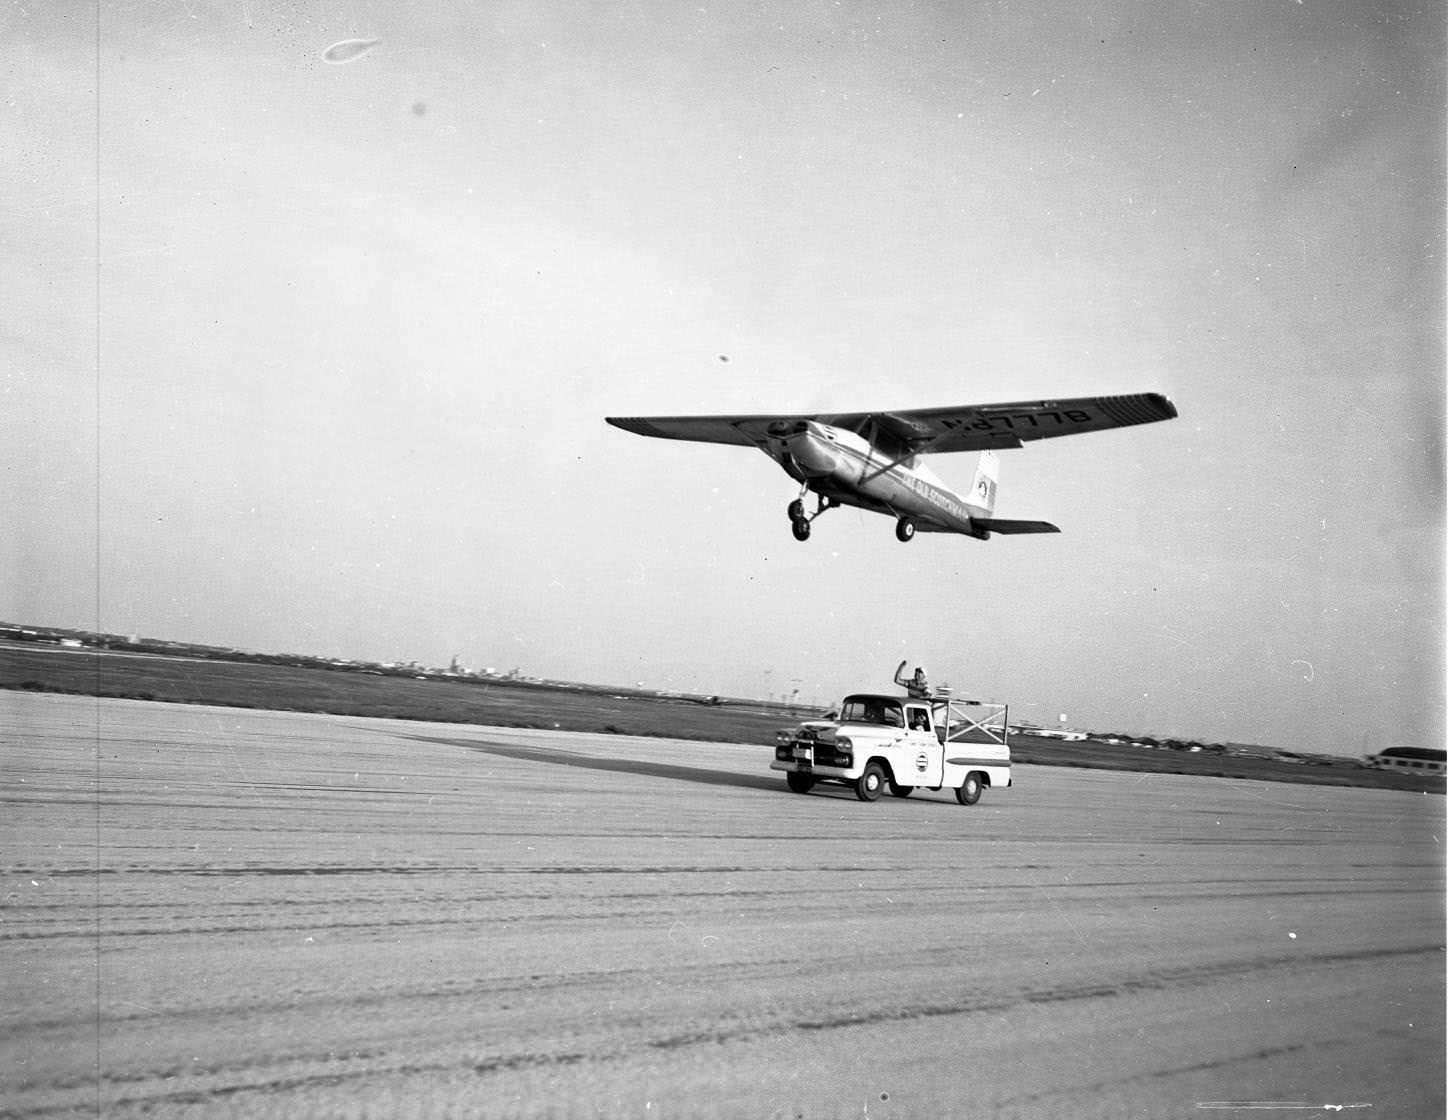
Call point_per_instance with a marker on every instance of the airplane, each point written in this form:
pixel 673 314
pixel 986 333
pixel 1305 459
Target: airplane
pixel 872 460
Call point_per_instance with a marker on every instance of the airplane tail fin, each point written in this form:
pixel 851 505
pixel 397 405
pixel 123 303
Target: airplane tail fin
pixel 983 486
pixel 983 496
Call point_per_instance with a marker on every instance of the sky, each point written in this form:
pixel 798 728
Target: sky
pixel 311 356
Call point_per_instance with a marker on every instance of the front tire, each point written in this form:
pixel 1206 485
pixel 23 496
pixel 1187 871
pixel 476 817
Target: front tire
pixel 969 793
pixel 796 510
pixel 870 784
pixel 799 783
pixel 905 530
pixel 801 529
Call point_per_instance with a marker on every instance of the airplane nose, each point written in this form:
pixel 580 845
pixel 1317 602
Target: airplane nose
pixel 814 455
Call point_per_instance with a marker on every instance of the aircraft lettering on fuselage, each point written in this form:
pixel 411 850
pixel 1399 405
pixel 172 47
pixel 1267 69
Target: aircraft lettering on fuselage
pixel 872 459
pixel 933 494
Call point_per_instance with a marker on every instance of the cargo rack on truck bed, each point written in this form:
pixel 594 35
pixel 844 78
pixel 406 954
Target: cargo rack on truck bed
pixel 971 721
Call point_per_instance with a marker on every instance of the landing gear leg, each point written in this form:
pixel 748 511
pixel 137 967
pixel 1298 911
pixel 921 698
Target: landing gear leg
pixel 796 507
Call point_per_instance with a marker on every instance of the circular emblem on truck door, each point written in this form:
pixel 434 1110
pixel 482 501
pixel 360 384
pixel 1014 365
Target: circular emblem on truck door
pixel 922 761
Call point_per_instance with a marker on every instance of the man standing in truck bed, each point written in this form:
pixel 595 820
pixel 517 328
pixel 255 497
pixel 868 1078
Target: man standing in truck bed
pixel 917 687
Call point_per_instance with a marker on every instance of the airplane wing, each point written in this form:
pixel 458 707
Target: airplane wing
pixel 980 427
pixel 970 427
pixel 748 431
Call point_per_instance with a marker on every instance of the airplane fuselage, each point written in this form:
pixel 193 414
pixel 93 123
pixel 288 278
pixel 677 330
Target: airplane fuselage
pixel 845 467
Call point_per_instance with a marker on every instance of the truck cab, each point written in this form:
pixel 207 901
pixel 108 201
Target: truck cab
pixel 900 743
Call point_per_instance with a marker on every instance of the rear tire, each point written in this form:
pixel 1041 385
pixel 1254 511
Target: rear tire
pixel 870 784
pixel 799 783
pixel 796 510
pixel 969 792
pixel 801 529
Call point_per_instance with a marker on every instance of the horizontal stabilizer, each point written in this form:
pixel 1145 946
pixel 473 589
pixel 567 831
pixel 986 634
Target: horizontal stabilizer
pixel 1007 528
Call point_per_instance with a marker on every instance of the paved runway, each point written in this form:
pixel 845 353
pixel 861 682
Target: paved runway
pixel 234 913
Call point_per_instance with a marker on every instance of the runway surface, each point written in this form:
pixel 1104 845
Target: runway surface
pixel 225 913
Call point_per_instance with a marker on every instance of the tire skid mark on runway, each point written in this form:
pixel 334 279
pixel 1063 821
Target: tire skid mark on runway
pixel 290 922
pixel 219 1069
pixel 1077 1092
pixel 430 869
pixel 496 987
pixel 37 913
pixel 1261 1054
pixel 1001 899
pixel 1151 981
pixel 1272 886
pixel 503 1064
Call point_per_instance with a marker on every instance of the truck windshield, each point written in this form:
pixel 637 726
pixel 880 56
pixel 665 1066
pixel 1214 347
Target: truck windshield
pixel 872 710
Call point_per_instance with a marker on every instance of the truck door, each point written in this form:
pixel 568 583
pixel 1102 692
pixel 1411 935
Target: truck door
pixel 926 753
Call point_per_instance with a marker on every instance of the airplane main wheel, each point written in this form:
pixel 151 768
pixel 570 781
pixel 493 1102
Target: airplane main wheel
pixel 796 510
pixel 969 792
pixel 801 529
pixel 904 529
pixel 897 790
pixel 870 784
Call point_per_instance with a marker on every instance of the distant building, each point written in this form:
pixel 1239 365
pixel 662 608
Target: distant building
pixel 1414 760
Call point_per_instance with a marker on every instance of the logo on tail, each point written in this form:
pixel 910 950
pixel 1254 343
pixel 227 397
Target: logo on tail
pixel 983 489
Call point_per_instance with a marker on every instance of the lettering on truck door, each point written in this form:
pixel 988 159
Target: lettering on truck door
pixel 926 755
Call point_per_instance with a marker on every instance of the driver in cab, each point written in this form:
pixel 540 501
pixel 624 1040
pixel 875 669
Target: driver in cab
pixel 888 714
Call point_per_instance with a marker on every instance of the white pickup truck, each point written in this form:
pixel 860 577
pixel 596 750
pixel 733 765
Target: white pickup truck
pixel 903 743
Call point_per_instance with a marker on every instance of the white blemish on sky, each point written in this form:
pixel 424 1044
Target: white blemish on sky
pixel 348 50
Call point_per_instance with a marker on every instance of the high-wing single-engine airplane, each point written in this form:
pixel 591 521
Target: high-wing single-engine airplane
pixel 872 460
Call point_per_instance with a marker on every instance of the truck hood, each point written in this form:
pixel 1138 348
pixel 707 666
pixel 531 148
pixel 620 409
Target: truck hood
pixel 824 731
pixel 821 730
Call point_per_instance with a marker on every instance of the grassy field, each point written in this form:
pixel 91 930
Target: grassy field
pixel 286 688
pixel 177 680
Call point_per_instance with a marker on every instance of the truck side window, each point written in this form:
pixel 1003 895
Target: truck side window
pixel 919 721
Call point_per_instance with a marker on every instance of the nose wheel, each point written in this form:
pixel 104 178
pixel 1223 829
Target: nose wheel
pixel 905 529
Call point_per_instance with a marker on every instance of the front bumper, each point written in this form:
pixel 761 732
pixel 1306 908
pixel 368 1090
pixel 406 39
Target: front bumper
pixel 803 758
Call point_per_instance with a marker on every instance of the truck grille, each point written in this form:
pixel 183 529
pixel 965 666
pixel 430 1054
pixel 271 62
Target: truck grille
pixel 823 754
